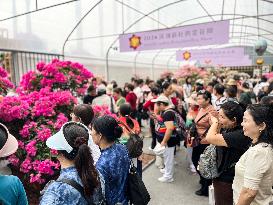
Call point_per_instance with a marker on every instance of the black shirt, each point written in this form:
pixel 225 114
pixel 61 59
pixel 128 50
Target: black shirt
pixel 88 99
pixel 168 115
pixel 228 156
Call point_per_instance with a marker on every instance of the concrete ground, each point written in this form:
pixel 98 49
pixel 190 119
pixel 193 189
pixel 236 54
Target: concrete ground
pixel 179 192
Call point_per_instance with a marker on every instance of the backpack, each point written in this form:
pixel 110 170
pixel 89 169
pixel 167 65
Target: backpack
pixel 134 143
pixel 137 192
pixel 181 127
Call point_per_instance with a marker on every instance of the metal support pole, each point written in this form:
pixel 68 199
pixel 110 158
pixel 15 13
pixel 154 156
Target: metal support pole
pixel 153 64
pixel 135 63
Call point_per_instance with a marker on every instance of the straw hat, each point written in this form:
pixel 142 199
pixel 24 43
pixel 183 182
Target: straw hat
pixel 231 82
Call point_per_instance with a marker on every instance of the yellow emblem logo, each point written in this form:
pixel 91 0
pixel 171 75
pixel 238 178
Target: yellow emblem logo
pixel 135 41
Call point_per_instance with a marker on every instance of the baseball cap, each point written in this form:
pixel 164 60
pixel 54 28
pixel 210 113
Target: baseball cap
pixel 58 140
pixel 161 98
pixel 8 143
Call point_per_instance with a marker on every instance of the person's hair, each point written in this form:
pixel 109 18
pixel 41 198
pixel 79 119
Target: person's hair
pixel 130 87
pixel 101 92
pixel 206 95
pixel 236 77
pixel 155 90
pixel 104 83
pixel 125 111
pixel 187 80
pixel 219 88
pixel 267 100
pixel 263 114
pixel 77 137
pixel 140 81
pixel 231 91
pixel 118 91
pixel 199 87
pixel 212 83
pixel 245 85
pixel 85 113
pixel 233 110
pixel 91 88
pixel 108 127
pixel 114 83
pixel 3 135
pixel 261 95
pixel 263 79
pixel 174 81
pixel 165 86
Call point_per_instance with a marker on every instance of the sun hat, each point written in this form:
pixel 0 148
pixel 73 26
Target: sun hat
pixel 231 82
pixel 161 98
pixel 58 140
pixel 8 143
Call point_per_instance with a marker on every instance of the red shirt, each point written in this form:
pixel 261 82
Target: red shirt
pixel 131 98
pixel 149 105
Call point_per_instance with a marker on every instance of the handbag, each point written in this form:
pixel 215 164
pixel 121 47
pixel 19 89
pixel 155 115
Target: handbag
pixel 134 143
pixel 137 192
pixel 193 139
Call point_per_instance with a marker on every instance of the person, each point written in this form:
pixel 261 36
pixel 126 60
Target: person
pixel 166 133
pixel 12 191
pixel 77 166
pixel 131 98
pixel 218 91
pixel 231 144
pixel 191 115
pixel 114 161
pixel 253 179
pixel 202 122
pixel 187 88
pixel 231 93
pixel 104 100
pixel 91 95
pixel 149 107
pixel 118 97
pixel 247 96
pixel 129 125
pixel 167 91
pixel 84 114
pixel 267 100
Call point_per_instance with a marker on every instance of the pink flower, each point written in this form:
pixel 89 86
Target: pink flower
pixel 61 119
pixel 40 66
pixel 28 128
pixel 53 152
pixel 31 148
pixel 45 167
pixel 26 165
pixel 36 178
pixel 3 72
pixel 21 144
pixel 43 133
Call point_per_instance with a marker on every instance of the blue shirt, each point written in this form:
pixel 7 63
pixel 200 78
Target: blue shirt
pixel 113 165
pixel 59 193
pixel 12 191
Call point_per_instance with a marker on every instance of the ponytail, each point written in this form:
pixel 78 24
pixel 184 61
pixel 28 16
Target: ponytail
pixel 84 164
pixel 129 122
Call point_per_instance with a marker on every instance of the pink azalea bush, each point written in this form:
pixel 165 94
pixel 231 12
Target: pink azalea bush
pixel 102 110
pixel 64 75
pixel 191 71
pixel 5 83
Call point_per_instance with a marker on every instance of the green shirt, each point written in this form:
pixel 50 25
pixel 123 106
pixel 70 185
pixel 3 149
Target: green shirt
pixel 120 101
pixel 12 191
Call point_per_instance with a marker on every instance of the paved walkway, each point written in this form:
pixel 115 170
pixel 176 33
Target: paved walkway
pixel 181 191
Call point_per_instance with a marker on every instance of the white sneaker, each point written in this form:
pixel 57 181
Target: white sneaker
pixel 165 180
pixel 162 170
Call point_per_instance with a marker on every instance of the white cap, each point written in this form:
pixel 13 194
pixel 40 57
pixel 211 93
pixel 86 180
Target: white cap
pixel 58 140
pixel 161 98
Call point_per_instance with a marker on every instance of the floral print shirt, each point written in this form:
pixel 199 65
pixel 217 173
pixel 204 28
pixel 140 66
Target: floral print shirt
pixel 59 193
pixel 113 165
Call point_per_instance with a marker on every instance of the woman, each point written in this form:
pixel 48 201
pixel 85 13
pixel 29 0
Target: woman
pixel 253 179
pixel 231 144
pixel 114 161
pixel 118 97
pixel 192 113
pixel 77 166
pixel 187 88
pixel 84 114
pixel 11 188
pixel 202 122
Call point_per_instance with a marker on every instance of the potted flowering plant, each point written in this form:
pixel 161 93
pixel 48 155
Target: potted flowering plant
pixel 5 83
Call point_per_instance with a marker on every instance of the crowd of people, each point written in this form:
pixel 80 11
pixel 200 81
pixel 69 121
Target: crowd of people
pixel 235 115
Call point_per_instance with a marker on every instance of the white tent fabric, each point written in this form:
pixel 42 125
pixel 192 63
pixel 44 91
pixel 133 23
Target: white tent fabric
pixel 46 29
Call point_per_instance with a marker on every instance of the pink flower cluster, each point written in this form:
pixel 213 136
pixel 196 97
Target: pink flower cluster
pixel 62 75
pixel 190 71
pixel 13 108
pixel 5 83
pixel 102 110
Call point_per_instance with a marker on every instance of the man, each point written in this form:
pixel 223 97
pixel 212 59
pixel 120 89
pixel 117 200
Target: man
pixel 91 95
pixel 218 91
pixel 166 134
pixel 104 99
pixel 131 98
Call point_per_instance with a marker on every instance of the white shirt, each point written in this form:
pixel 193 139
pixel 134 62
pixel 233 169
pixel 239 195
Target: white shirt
pixel 95 150
pixel 105 100
pixel 219 102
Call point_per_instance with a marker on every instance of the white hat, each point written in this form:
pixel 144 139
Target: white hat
pixel 8 143
pixel 161 98
pixel 58 140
